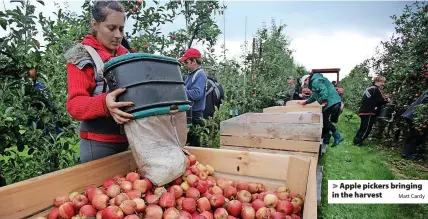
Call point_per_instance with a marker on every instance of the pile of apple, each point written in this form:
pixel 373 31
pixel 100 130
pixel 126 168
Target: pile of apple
pixel 195 195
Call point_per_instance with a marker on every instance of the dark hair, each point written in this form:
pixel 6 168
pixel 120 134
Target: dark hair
pixel 100 9
pixel 197 60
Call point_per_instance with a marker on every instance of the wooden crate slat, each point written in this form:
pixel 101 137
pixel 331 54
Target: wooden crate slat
pixel 308 132
pixel 276 118
pixel 302 155
pixel 292 108
pixel 270 143
pixel 294 103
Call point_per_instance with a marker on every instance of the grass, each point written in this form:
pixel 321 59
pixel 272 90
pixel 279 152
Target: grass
pixel 370 162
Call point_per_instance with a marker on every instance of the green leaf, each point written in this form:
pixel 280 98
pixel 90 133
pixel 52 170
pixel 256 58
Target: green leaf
pixel 3 23
pixel 41 2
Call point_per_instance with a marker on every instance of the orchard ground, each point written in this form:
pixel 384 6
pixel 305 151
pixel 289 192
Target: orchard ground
pixel 371 162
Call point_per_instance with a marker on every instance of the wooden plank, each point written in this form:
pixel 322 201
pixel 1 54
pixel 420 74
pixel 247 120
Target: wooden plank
pixel 302 155
pixel 25 198
pixel 302 132
pixel 269 143
pixel 278 118
pixel 311 191
pixel 294 103
pixel 292 108
pixel 244 163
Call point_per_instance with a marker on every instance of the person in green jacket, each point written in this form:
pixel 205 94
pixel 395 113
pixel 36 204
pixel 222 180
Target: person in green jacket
pixel 325 94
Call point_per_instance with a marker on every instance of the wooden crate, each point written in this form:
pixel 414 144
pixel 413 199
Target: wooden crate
pixel 35 196
pixel 293 108
pixel 294 133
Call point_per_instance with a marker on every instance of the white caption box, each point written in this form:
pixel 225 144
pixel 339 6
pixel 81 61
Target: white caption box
pixel 377 191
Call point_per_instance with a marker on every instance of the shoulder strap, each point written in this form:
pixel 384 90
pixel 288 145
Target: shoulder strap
pixel 99 64
pixel 196 73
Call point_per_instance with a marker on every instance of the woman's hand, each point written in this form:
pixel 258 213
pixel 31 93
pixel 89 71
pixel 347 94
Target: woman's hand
pixel 118 115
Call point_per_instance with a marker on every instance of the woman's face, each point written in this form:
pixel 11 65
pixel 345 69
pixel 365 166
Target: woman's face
pixel 110 31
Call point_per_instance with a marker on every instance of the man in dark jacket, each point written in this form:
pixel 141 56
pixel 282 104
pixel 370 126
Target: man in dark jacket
pixel 414 137
pixel 214 96
pixel 373 99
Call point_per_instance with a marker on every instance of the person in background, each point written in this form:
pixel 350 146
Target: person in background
pixel 196 83
pixel 214 96
pixel 125 44
pixel 304 93
pixel 415 135
pixel 88 98
pixel 289 90
pixel 324 93
pixel 373 99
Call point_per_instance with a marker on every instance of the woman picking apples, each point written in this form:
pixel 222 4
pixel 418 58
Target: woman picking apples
pixel 88 98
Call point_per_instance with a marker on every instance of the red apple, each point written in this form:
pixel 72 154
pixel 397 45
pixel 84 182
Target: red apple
pixel 202 186
pixel 61 200
pixel 263 213
pixel 192 180
pixel 120 198
pixel 189 205
pixel 171 213
pixel 248 212
pixel 283 189
pixel 173 37
pixel 54 214
pixel 285 207
pixel 242 185
pixel 167 200
pixel 99 214
pixel 257 204
pixel 192 159
pixel 178 181
pixel 203 175
pixel 100 201
pixel 220 213
pixel 206 195
pixel 113 191
pixel 93 192
pixel 141 205
pixel 282 195
pixel 244 196
pixel 230 192
pixel 66 210
pixel 296 208
pixel 79 201
pixel 112 212
pixel 207 214
pixel 87 211
pixel 131 216
pixel 140 185
pixel 234 208
pixel 223 183
pixel 260 187
pixel 193 193
pixel 72 195
pixel 154 211
pixel 126 186
pixel 252 188
pixel 149 184
pixel 109 182
pixel 176 190
pixel 254 197
pixel 217 200
pixel 186 214
pixel 179 203
pixel 216 190
pixel 294 216
pixel 270 200
pixel 128 206
pixel 276 215
pixel 203 204
pixel 134 194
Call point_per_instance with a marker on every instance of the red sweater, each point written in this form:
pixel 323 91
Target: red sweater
pixel 81 83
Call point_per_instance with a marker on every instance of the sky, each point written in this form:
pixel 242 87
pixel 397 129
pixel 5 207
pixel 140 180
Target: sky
pixel 324 34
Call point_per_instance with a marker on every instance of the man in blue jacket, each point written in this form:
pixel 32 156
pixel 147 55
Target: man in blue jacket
pixel 196 83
